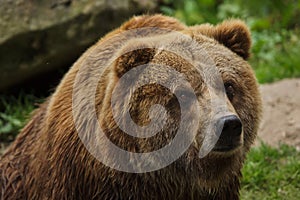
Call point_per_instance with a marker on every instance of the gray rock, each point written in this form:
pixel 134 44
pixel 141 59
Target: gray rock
pixel 38 36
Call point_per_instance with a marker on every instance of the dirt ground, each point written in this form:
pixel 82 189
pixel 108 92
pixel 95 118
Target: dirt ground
pixel 281 114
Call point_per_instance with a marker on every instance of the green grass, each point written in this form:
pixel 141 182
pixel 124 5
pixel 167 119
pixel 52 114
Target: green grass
pixel 14 112
pixel 271 173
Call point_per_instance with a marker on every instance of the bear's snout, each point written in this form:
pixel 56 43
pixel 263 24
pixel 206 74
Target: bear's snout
pixel 230 137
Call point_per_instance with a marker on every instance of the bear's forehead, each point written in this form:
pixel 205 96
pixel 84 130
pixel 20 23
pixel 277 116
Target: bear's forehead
pixel 216 60
pixel 190 58
pixel 185 52
pixel 173 70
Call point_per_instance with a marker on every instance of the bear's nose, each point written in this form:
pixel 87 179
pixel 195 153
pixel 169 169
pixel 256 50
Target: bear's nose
pixel 230 137
pixel 232 126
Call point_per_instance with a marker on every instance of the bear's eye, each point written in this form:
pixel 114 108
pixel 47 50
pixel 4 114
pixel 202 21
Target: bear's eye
pixel 229 91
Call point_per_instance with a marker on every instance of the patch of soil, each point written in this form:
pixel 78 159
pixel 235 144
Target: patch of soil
pixel 281 113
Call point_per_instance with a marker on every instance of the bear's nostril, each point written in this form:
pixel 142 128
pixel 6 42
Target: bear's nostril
pixel 230 137
pixel 232 126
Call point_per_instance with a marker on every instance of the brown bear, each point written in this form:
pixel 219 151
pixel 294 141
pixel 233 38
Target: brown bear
pixel 170 72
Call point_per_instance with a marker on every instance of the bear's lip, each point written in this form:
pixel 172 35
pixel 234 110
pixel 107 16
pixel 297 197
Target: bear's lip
pixel 226 148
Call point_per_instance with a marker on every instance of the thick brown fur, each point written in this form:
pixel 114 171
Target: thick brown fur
pixel 49 161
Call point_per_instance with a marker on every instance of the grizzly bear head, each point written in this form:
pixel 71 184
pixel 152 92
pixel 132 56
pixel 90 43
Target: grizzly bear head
pixel 185 99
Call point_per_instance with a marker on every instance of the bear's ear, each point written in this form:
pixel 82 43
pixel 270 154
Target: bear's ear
pixel 133 57
pixel 234 34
